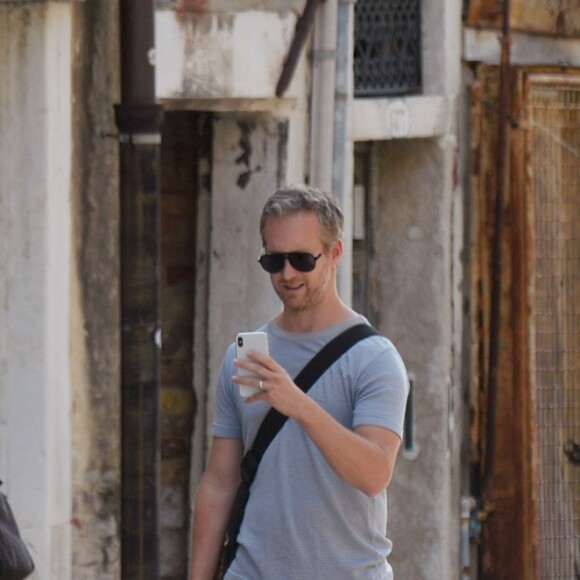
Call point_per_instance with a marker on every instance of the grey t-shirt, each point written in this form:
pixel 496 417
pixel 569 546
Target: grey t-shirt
pixel 302 521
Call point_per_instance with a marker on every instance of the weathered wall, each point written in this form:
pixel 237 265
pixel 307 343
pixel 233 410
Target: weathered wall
pixel 95 344
pixel 35 254
pixel 207 6
pixel 415 223
pixel 221 54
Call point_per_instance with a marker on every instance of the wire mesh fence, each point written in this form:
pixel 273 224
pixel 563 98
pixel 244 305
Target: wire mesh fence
pixel 554 115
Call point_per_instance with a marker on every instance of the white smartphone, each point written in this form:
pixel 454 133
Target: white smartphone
pixel 246 341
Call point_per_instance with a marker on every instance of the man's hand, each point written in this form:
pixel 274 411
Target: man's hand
pixel 276 386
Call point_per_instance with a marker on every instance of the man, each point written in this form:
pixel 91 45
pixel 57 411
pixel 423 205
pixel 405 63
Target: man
pixel 317 507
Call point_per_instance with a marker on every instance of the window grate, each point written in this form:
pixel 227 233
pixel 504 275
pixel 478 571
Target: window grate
pixel 387 51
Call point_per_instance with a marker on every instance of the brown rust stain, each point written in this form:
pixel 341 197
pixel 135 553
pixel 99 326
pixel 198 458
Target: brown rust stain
pixel 501 549
pixel 552 17
pixel 484 13
pixel 192 6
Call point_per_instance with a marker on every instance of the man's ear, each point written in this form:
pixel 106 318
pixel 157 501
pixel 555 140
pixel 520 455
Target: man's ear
pixel 336 250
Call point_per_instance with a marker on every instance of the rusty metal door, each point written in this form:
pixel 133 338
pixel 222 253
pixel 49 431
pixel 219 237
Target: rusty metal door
pixel 526 439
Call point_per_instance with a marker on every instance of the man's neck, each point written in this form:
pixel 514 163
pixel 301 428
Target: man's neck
pixel 314 320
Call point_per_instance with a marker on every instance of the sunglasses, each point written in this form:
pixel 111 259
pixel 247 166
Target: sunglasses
pixel 301 261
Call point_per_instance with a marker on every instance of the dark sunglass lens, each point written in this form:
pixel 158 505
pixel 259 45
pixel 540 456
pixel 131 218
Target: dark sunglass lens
pixel 302 261
pixel 272 263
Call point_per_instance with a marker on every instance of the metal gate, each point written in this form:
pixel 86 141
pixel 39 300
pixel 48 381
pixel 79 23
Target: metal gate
pixel 554 161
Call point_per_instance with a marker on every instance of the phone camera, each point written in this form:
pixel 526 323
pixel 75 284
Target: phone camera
pixel 240 341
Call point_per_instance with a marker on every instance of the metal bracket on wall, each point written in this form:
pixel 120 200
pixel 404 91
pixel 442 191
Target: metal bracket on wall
pixel 470 530
pixel 410 447
pixel 140 138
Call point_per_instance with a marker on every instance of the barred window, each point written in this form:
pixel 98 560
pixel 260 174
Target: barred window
pixel 387 48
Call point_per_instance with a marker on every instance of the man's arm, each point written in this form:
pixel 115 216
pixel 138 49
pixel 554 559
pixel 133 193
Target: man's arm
pixel 215 496
pixel 364 458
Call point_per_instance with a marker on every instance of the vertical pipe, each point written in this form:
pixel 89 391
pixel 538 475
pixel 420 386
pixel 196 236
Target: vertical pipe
pixel 140 122
pixel 322 95
pixel 497 259
pixel 342 168
pixel 137 52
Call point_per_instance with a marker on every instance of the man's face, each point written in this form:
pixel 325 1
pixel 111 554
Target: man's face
pixel 300 232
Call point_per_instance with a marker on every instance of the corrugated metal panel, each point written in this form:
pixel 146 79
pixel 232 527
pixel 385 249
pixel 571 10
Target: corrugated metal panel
pixel 561 18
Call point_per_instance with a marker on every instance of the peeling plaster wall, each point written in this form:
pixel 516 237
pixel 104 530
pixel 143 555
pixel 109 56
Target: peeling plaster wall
pixel 207 6
pixel 220 55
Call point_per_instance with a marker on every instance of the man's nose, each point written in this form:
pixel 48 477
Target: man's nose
pixel 288 271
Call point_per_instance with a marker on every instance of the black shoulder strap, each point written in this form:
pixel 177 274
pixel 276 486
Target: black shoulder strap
pixel 274 420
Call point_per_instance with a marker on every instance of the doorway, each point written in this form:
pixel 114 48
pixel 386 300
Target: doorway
pixel 185 154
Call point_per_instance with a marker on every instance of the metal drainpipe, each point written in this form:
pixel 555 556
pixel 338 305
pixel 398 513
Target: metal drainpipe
pixel 139 121
pixel 497 261
pixel 342 168
pixel 322 95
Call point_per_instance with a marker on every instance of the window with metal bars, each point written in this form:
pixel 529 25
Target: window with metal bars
pixel 387 48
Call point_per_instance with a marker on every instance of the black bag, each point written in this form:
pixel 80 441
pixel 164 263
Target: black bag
pixel 270 426
pixel 15 560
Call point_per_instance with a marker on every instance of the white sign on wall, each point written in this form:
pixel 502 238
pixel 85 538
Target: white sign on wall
pixel 398 119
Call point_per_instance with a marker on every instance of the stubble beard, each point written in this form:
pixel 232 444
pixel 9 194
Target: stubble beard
pixel 312 297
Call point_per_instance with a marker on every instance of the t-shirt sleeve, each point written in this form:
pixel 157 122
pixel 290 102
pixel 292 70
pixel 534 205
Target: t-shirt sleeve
pixel 382 388
pixel 227 420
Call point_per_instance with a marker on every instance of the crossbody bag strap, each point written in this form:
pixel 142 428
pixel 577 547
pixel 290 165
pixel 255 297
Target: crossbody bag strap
pixel 274 420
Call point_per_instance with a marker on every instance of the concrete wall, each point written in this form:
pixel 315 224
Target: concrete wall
pixel 35 285
pixel 415 222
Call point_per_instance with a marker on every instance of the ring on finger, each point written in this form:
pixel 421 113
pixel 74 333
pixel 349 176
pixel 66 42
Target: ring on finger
pixel 261 386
